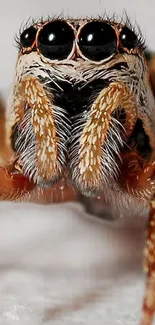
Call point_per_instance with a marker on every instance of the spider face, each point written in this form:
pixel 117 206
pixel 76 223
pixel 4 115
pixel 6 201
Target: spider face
pixel 82 105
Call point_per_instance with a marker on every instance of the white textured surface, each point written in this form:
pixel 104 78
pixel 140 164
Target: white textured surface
pixel 59 265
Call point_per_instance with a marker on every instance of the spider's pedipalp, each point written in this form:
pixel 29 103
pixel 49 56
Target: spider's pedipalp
pixel 39 128
pixel 100 140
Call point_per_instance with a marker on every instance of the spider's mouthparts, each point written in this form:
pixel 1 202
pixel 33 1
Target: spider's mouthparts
pixel 74 97
pixel 139 140
pixel 100 129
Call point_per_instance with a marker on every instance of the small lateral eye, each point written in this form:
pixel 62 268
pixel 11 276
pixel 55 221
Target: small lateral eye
pixel 97 40
pixel 128 38
pixel 55 40
pixel 28 37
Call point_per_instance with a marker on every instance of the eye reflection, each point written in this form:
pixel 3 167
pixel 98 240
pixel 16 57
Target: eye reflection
pixel 90 37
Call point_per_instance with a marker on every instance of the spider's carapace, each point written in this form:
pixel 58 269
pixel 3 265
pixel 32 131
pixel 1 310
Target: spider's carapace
pixel 81 120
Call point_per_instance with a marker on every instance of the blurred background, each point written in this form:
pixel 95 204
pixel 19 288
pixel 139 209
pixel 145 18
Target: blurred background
pixel 14 13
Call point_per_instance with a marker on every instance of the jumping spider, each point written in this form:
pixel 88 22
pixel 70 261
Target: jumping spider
pixel 81 119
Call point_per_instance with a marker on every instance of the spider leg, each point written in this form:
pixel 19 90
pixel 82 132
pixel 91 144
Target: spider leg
pixel 13 186
pixel 149 299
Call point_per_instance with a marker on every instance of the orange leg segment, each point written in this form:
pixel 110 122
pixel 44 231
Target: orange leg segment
pixel 13 186
pixel 149 299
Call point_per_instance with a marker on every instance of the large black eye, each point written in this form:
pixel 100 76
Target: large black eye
pixel 28 36
pixel 128 38
pixel 55 40
pixel 97 41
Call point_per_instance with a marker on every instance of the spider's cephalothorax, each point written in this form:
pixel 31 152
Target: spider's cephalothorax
pixel 81 100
